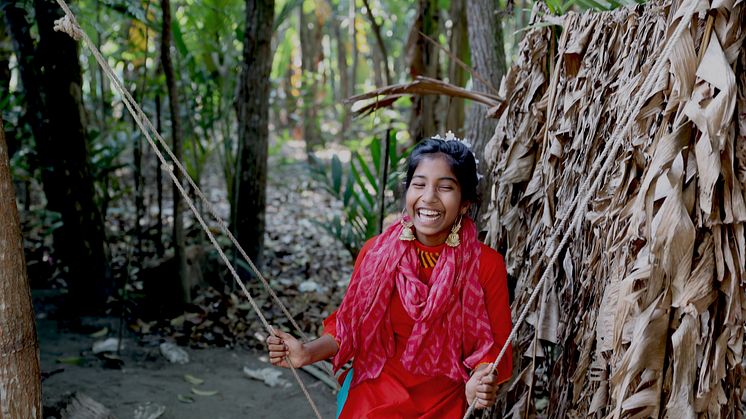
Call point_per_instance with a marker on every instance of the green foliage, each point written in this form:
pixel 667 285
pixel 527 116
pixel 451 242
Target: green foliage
pixel 357 187
pixel 560 7
pixel 105 156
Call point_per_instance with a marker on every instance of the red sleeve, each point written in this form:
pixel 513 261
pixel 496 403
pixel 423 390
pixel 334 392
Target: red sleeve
pixel 494 280
pixel 330 323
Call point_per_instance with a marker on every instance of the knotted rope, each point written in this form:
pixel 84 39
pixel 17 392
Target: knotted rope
pixel 69 25
pixel 594 179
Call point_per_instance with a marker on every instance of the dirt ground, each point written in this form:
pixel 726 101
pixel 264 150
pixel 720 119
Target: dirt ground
pixel 146 376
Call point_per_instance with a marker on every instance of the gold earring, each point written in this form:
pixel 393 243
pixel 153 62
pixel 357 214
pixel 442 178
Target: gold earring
pixel 406 232
pixel 453 238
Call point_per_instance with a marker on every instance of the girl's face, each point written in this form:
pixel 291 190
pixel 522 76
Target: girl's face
pixel 434 200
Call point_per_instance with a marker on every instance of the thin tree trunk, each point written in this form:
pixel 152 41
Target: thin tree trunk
pixel 344 74
pixel 20 375
pixel 488 60
pixel 137 156
pixel 253 129
pixel 355 56
pixel 383 58
pixel 310 42
pixel 423 62
pixel 102 79
pixel 63 153
pixel 159 248
pixel 179 241
pixel 458 46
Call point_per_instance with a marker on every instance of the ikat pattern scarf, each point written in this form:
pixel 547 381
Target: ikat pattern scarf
pixel 451 331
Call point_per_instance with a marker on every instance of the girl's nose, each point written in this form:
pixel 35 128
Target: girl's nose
pixel 428 195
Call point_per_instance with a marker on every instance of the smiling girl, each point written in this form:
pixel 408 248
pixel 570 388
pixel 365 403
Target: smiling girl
pixel 426 310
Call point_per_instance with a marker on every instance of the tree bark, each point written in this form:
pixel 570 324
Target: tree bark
pixel 179 241
pixel 20 375
pixel 424 62
pixel 488 60
pixel 253 129
pixel 63 154
pixel 458 46
pixel 311 55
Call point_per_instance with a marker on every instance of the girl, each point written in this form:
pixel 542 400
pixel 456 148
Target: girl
pixel 426 310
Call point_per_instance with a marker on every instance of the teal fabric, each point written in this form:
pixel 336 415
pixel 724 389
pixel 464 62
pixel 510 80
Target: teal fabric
pixel 342 395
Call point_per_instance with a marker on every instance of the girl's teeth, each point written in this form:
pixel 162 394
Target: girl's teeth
pixel 429 214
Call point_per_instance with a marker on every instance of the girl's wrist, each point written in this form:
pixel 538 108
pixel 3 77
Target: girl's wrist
pixel 305 355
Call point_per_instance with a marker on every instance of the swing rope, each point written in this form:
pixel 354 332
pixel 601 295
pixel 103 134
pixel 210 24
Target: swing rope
pixel 69 25
pixel 596 178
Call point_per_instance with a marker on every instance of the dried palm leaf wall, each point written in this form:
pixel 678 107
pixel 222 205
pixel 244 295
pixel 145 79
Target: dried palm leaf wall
pixel 644 315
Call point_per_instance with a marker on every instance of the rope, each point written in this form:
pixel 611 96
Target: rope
pixel 609 159
pixel 69 25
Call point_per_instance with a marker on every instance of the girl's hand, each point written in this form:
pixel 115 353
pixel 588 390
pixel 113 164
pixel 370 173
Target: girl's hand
pixel 283 345
pixel 482 386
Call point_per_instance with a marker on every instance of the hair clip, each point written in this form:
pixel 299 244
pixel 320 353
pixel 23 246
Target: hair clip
pixel 450 136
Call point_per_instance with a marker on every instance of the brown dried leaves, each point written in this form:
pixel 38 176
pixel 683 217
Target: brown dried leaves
pixel 648 303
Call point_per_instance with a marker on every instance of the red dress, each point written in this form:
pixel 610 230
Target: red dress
pixel 397 393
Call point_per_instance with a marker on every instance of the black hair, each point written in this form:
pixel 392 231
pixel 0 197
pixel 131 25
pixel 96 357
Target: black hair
pixel 459 158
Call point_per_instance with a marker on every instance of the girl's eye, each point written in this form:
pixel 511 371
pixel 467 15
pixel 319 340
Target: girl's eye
pixel 446 188
pixel 418 185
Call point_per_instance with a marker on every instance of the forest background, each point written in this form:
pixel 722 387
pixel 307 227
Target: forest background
pixel 253 98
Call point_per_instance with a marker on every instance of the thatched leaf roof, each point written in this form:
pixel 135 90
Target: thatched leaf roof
pixel 644 312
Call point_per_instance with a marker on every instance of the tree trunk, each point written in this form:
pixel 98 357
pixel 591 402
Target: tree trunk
pixel 173 104
pixel 63 154
pixel 159 248
pixel 310 43
pixel 423 62
pixel 253 129
pixel 20 375
pixel 488 60
pixel 382 62
pixel 458 46
pixel 353 38
pixel 137 151
pixel 344 74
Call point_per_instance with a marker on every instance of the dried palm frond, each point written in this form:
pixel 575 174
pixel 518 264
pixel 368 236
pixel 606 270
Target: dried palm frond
pixel 645 314
pixel 420 86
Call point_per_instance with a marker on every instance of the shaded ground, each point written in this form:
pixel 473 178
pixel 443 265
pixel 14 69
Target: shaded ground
pixel 307 268
pixel 146 376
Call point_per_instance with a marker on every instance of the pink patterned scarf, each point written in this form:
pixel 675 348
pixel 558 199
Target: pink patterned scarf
pixel 451 330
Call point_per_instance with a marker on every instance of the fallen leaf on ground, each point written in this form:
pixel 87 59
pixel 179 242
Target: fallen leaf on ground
pixel 101 333
pixel 185 399
pixel 193 380
pixel 205 393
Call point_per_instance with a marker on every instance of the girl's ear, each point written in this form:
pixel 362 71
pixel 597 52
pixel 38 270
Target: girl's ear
pixel 464 208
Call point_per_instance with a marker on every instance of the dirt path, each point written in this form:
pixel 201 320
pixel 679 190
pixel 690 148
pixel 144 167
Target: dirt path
pixel 146 376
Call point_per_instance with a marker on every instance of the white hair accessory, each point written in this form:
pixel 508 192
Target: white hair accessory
pixel 450 136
